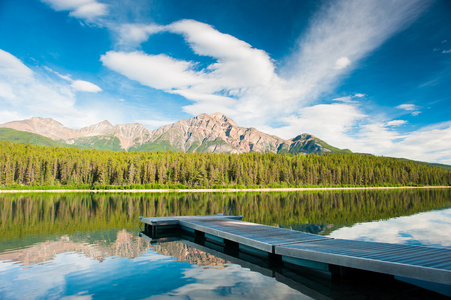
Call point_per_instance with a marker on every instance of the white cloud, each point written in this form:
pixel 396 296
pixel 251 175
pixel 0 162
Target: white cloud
pixel 431 143
pixel 77 85
pixel 342 62
pixel 446 51
pixel 13 67
pixel 345 125
pixel 88 10
pixel 249 66
pixel 411 108
pixel 349 99
pixel 18 84
pixel 8 116
pixel 396 123
pixel 157 71
pixel 330 122
pixel 134 34
pixel 408 107
pixel 85 86
pixel 25 93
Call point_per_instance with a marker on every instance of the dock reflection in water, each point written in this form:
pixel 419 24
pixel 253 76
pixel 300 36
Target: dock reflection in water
pixel 311 283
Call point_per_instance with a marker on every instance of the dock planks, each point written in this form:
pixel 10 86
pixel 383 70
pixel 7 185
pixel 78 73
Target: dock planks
pixel 417 262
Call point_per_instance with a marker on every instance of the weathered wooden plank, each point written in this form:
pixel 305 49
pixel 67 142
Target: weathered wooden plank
pixel 265 238
pixel 175 220
pixel 357 254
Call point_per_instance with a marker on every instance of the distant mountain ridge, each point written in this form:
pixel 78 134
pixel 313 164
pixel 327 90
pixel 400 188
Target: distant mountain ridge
pixel 215 133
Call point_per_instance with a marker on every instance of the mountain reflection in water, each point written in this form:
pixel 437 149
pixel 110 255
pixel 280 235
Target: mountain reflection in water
pixel 128 267
pixel 125 245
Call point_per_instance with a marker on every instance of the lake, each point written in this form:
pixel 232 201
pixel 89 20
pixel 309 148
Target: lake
pixel 88 246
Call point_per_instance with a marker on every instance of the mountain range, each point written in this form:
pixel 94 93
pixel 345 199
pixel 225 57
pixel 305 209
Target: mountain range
pixel 215 133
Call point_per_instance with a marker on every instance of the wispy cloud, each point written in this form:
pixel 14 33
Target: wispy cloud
pixel 349 99
pixel 396 123
pixel 157 71
pixel 88 10
pixel 342 34
pixel 11 65
pixel 85 86
pixel 77 85
pixel 410 108
pixel 132 35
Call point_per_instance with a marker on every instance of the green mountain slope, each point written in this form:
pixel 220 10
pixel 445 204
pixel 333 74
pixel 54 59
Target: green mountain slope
pixel 22 137
pixel 307 144
pixel 106 142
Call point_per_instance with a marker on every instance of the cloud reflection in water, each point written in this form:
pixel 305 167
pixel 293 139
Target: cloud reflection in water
pixel 428 229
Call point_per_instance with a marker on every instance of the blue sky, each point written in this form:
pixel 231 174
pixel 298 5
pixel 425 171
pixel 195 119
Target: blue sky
pixel 371 76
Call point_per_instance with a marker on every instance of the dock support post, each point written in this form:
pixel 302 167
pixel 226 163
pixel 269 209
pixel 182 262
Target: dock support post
pixel 199 237
pixel 339 273
pixel 231 247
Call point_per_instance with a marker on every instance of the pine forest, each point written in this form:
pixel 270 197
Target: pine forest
pixel 28 166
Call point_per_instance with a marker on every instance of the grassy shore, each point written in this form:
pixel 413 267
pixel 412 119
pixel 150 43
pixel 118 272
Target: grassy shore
pixel 223 190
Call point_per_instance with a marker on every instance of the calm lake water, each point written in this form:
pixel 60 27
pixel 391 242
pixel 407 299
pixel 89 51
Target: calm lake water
pixel 87 246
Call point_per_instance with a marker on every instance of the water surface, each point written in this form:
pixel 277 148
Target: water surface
pixel 87 246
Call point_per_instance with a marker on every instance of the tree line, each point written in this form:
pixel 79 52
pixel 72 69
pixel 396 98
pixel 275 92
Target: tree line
pixel 31 166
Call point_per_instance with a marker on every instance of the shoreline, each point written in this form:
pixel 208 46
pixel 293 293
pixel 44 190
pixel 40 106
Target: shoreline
pixel 224 190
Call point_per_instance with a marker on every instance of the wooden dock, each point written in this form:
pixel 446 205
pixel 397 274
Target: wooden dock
pixel 426 264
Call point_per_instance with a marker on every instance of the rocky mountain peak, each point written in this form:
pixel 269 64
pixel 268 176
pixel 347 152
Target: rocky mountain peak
pixel 304 136
pixel 215 133
pixel 223 119
pixel 43 126
pixel 130 134
pixel 101 128
pixel 46 122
